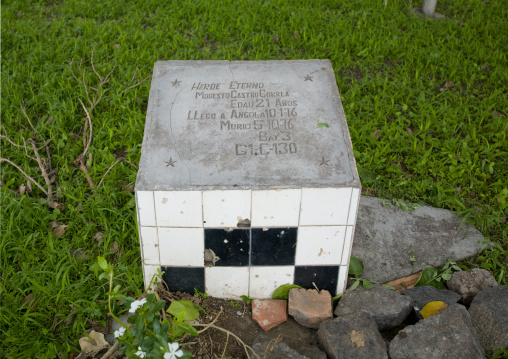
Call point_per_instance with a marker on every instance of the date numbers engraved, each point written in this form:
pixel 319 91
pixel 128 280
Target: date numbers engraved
pixel 266 148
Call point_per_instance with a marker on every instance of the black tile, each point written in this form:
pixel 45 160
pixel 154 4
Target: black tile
pixel 325 277
pixel 231 247
pixel 184 279
pixel 273 246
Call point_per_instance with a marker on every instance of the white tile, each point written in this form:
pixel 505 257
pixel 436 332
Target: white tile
pixel 224 208
pixel 353 210
pixel 151 274
pixel 341 283
pixel 319 245
pixel 227 282
pixel 179 208
pixel 150 246
pixel 348 244
pixel 324 206
pixel 146 211
pixel 264 280
pixel 182 246
pixel 276 208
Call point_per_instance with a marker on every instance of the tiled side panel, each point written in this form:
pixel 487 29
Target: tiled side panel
pixel 296 236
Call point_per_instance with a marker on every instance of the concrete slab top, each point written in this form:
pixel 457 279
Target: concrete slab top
pixel 245 125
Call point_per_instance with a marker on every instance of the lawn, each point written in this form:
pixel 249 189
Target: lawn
pixel 426 103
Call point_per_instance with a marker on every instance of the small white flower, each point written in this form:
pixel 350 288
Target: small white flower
pixel 119 333
pixel 140 353
pixel 173 351
pixel 136 304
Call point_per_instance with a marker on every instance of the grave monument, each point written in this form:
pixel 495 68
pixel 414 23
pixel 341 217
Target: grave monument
pixel 247 178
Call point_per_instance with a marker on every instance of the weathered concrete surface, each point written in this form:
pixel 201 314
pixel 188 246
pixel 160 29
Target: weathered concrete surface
pixel 245 124
pixel 384 236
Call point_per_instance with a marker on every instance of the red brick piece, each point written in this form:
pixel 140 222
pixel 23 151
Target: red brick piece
pixel 310 307
pixel 269 313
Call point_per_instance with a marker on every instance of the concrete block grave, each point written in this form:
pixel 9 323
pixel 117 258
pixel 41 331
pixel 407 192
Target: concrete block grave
pixel 247 178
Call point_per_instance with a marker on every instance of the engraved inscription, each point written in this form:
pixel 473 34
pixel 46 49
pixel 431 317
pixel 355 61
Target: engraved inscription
pixel 267 110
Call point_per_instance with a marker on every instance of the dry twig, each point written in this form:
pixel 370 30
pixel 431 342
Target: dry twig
pixel 113 165
pixel 24 174
pixel 44 164
pixel 245 346
pixel 110 351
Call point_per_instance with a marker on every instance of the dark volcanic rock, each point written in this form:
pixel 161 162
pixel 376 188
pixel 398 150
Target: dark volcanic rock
pixel 274 350
pixel 388 308
pixel 423 295
pixel 470 282
pixel 383 236
pixel 449 334
pixel 352 336
pixel 489 314
pixel 312 352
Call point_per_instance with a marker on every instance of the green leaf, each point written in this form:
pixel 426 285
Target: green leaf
pixel 179 306
pixel 337 297
pixel 322 124
pixel 187 328
pixel 283 291
pixel 428 277
pixel 103 263
pixel 355 284
pixel 130 204
pixel 157 306
pixel 355 266
pixel 367 284
pixel 246 299
pixel 446 276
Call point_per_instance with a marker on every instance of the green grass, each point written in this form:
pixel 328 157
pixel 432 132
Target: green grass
pixel 447 148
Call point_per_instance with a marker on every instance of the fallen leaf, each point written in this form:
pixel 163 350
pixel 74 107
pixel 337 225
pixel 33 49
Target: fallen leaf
pixel 496 113
pixel 28 300
pixel 98 237
pixel 69 319
pixel 114 247
pixel 78 254
pixel 296 35
pixel 116 46
pixel 376 134
pixel 94 344
pixel 29 186
pixel 54 224
pixel 409 131
pixel 56 205
pixel 128 188
pixel 275 38
pixel 433 308
pixel 59 230
pixel 22 189
pixel 449 84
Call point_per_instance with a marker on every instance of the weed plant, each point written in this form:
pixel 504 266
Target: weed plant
pixel 426 103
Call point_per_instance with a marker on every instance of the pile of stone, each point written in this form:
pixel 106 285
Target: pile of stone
pixel 361 316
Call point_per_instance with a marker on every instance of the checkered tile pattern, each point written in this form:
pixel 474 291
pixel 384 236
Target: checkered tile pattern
pixel 233 243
